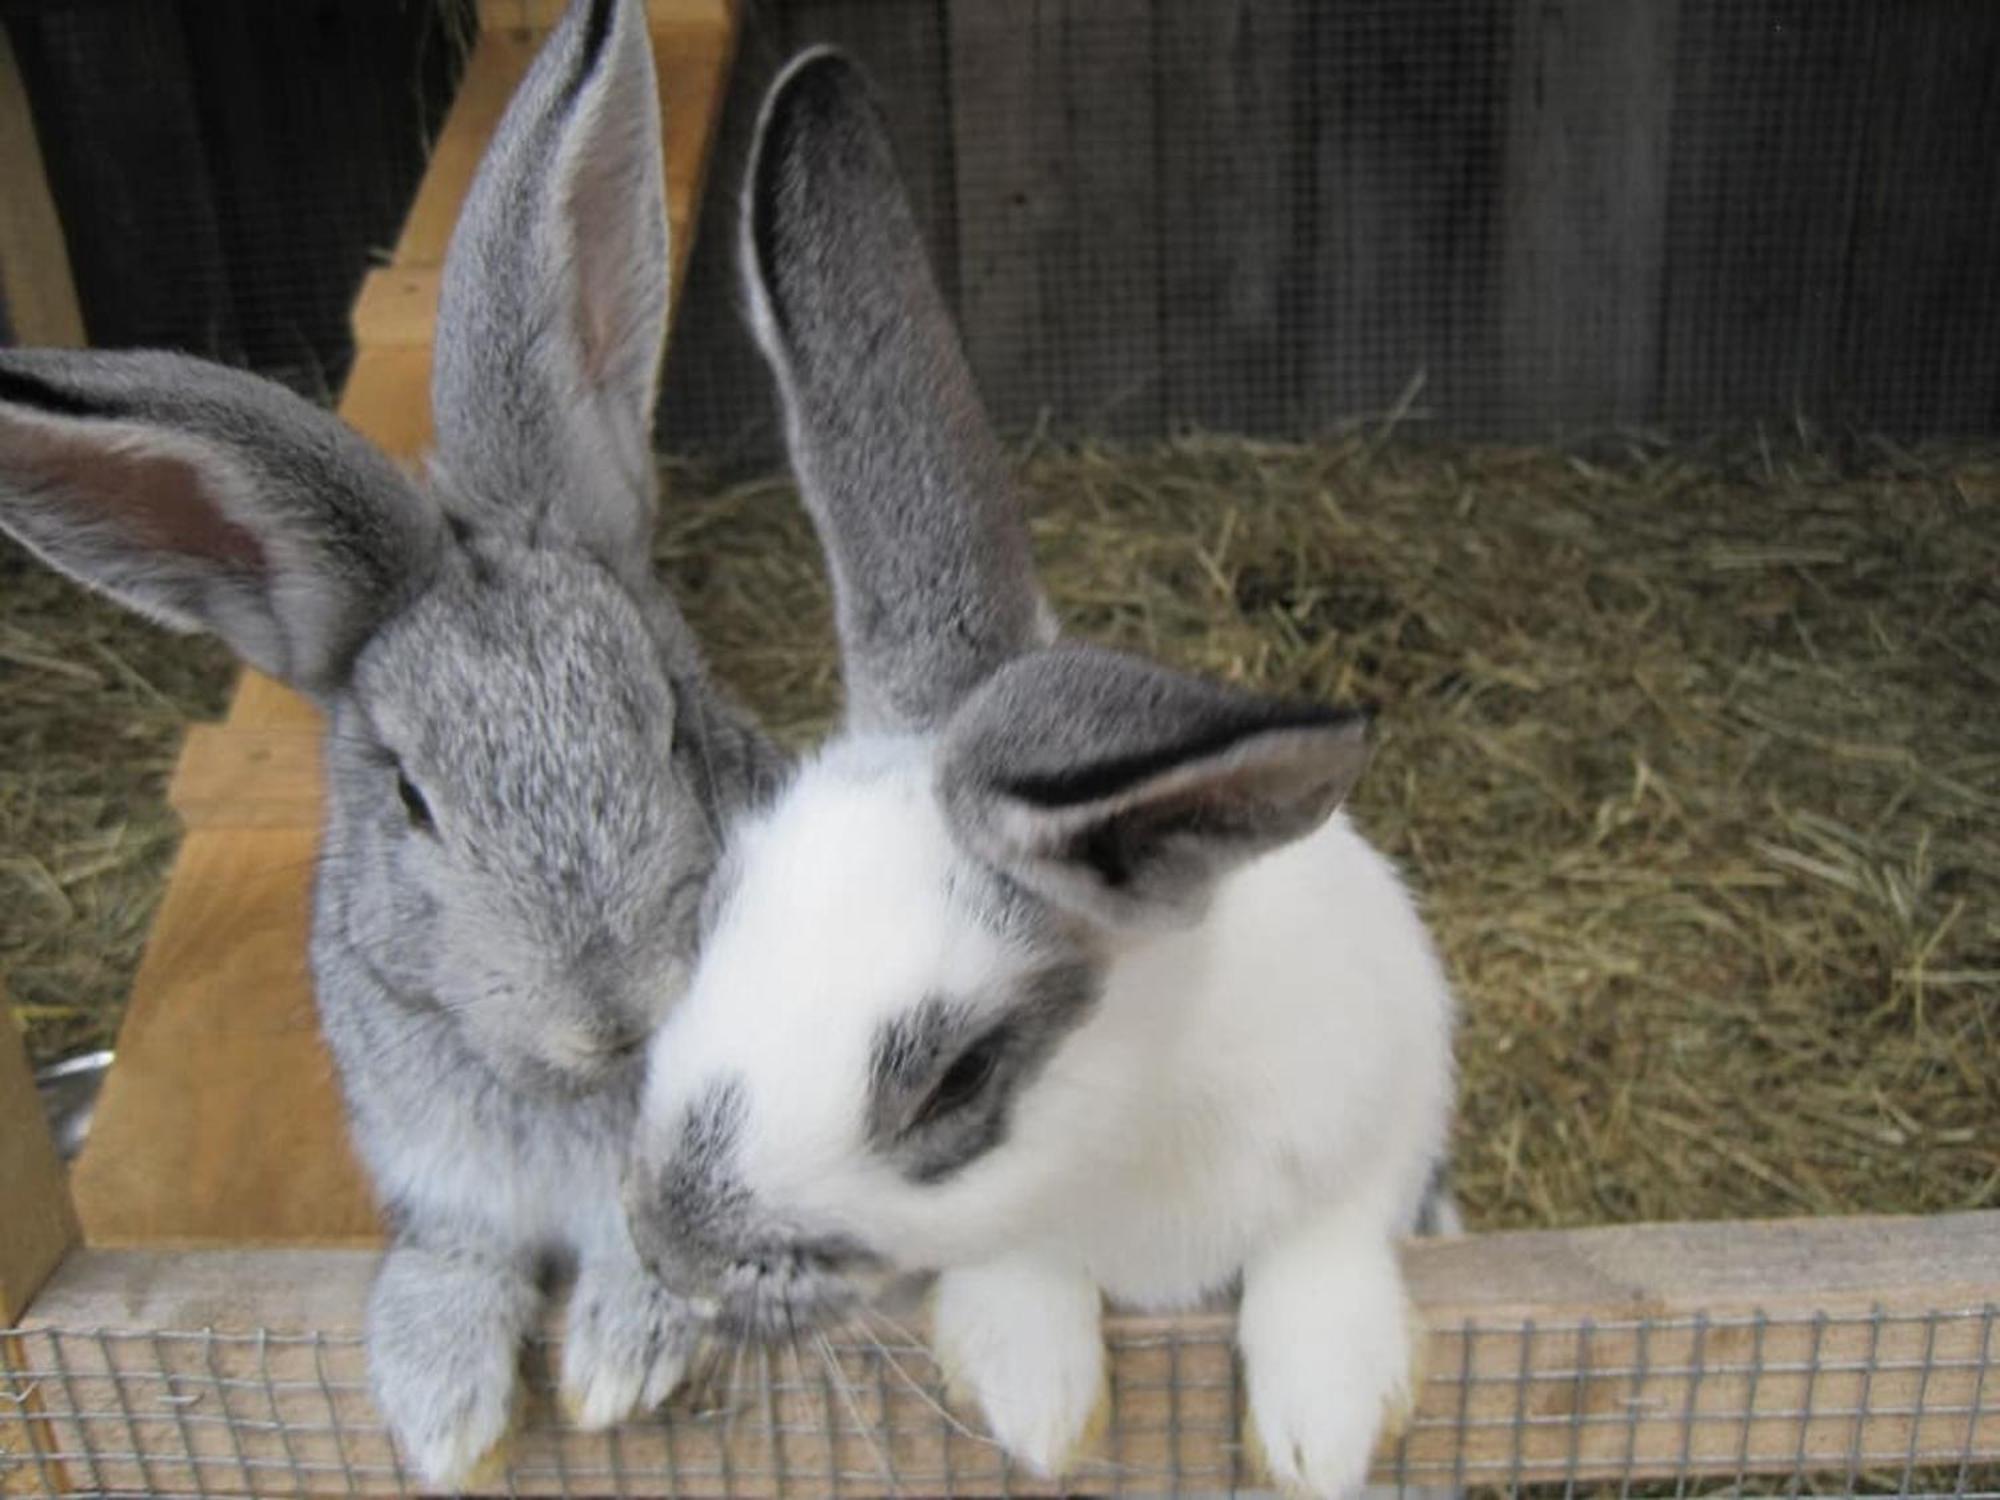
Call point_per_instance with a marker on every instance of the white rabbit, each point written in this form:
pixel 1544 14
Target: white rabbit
pixel 528 770
pixel 1058 974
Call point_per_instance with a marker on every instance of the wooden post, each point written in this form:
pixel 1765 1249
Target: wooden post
pixel 37 1223
pixel 34 260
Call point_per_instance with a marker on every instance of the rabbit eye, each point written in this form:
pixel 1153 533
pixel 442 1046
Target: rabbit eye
pixel 964 1080
pixel 419 811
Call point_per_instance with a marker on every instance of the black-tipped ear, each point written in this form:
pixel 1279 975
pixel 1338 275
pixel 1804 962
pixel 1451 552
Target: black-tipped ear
pixel 553 314
pixel 207 499
pixel 934 582
pixel 1124 791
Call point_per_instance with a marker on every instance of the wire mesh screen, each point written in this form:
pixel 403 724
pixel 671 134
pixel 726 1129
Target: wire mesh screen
pixel 1536 217
pixel 1867 1403
pixel 224 171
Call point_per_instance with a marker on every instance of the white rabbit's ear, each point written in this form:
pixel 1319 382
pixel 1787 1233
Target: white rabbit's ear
pixel 1123 791
pixel 208 499
pixel 934 582
pixel 553 314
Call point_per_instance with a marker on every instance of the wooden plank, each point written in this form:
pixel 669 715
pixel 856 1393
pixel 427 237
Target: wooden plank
pixel 1648 1352
pixel 1770 131
pixel 245 778
pixel 222 1122
pixel 39 1224
pixel 120 131
pixel 261 703
pixel 1101 257
pixel 541 15
pixel 36 290
pixel 315 147
pixel 1404 226
pixel 1005 199
pixel 1058 210
pixel 1233 193
pixel 1915 353
pixel 388 398
pixel 1584 233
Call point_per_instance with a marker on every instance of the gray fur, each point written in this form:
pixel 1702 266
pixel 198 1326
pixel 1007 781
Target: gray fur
pixel 498 641
pixel 1123 790
pixel 933 578
pixel 553 311
pixel 259 517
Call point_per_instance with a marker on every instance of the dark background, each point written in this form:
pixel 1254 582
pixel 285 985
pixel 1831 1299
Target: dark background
pixel 1518 218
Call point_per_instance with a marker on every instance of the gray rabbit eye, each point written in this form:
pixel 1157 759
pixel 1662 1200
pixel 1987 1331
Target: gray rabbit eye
pixel 419 811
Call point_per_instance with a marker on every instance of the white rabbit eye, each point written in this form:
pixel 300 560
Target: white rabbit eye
pixel 419 811
pixel 964 1079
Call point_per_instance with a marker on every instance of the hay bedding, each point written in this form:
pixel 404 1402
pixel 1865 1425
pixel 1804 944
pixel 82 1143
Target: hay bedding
pixel 1696 763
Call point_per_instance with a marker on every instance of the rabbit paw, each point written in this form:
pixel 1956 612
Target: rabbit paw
pixel 1021 1341
pixel 444 1333
pixel 626 1345
pixel 1326 1354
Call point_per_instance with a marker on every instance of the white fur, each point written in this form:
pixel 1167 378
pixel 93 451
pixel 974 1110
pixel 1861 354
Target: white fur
pixel 1264 1092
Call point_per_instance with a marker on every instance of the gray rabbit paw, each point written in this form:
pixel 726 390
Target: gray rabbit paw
pixel 626 1345
pixel 443 1341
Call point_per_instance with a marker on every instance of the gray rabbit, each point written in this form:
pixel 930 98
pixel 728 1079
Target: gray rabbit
pixel 527 768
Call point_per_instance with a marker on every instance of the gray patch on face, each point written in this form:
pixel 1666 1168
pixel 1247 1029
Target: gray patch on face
pixel 689 1212
pixel 698 1229
pixel 943 1078
pixel 701 1194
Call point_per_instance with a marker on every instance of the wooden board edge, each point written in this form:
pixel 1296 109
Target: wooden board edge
pixel 1652 1383
pixel 541 15
pixel 1783 1268
pixel 41 295
pixel 39 1224
pixel 228 777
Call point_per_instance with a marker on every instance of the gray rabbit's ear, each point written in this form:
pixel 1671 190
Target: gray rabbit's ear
pixel 208 499
pixel 553 313
pixel 934 583
pixel 1123 791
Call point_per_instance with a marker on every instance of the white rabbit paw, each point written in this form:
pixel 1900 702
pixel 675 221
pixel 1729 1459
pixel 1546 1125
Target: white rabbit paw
pixel 626 1344
pixel 1022 1342
pixel 1319 1402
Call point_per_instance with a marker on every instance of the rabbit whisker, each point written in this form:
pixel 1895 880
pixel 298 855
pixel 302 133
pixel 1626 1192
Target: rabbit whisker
pixel 916 1388
pixel 861 1423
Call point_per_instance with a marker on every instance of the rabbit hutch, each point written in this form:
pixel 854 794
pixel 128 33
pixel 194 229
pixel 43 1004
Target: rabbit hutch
pixel 1606 389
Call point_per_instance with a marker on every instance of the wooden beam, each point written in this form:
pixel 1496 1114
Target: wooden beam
pixel 39 1224
pixel 229 777
pixel 1635 1353
pixel 222 1123
pixel 34 259
pixel 540 15
pixel 388 397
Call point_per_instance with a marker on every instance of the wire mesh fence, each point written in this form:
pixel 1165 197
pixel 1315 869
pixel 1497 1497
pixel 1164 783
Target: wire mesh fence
pixel 1854 1403
pixel 1522 218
